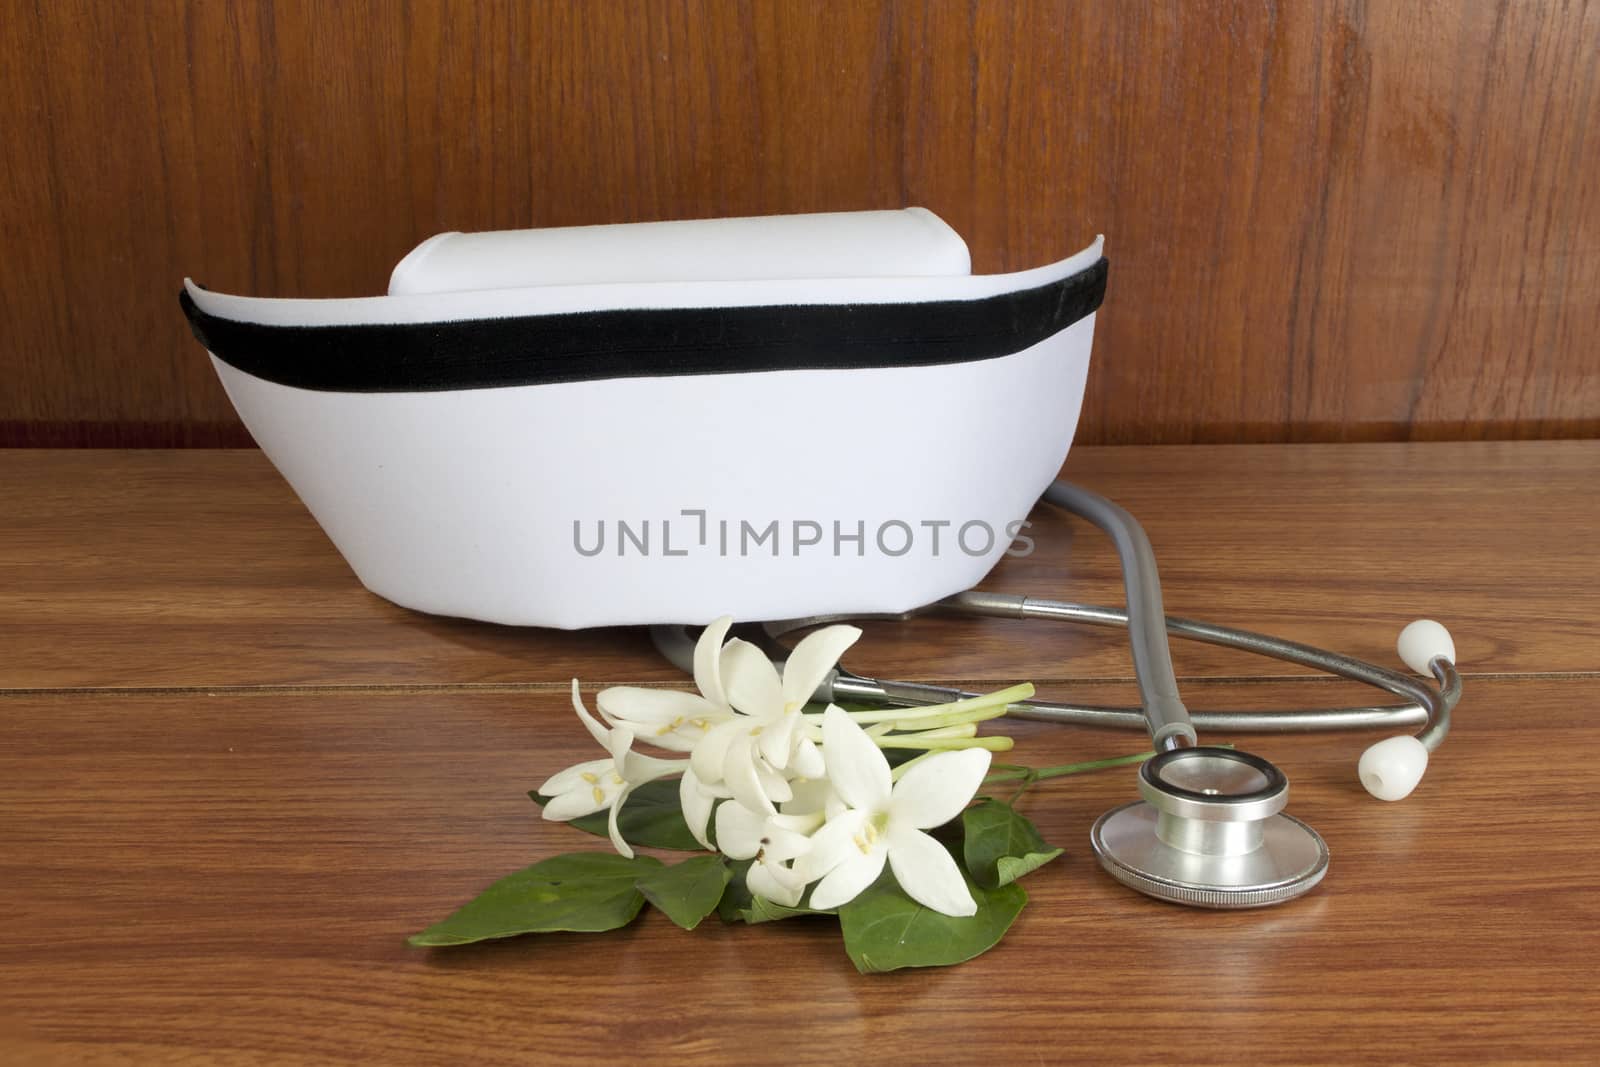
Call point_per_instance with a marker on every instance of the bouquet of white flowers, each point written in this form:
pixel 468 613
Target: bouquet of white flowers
pixel 800 806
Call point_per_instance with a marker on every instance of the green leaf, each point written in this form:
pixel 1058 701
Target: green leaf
pixel 1010 868
pixel 581 891
pixel 736 898
pixel 652 817
pixel 686 891
pixel 762 910
pixel 885 930
pixel 1001 845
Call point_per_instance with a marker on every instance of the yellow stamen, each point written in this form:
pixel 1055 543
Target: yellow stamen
pixel 589 777
pixel 599 795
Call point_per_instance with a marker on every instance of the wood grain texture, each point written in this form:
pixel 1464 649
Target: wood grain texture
pixel 229 879
pixel 203 874
pixel 1330 220
pixel 194 568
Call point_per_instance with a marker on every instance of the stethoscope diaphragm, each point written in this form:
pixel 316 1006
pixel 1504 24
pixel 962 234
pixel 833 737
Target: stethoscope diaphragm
pixel 1210 831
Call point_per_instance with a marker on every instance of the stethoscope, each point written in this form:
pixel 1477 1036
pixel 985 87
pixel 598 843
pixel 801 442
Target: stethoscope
pixel 1209 828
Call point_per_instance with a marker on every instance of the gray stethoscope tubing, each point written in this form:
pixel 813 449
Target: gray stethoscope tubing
pixel 1429 707
pixel 1210 828
pixel 1170 724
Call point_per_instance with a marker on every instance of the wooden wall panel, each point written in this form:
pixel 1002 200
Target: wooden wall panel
pixel 1328 220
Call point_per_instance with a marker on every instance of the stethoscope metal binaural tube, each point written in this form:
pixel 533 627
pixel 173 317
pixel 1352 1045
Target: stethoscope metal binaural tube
pixel 1426 703
pixel 844 685
pixel 1171 725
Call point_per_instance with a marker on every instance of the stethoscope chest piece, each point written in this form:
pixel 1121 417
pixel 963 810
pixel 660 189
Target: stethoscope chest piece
pixel 1211 832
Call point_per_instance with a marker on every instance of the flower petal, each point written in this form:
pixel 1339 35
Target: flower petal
pixel 620 743
pixel 773 784
pixel 812 795
pixel 812 659
pixel 739 771
pixel 936 789
pixel 782 844
pixel 806 761
pixel 856 766
pixel 775 883
pixel 575 804
pixel 832 845
pixel 750 679
pixel 739 830
pixel 846 881
pixel 652 707
pixel 638 768
pixel 573 776
pixel 696 805
pixel 777 739
pixel 611 823
pixel 928 873
pixel 707 661
pixel 596 728
pixel 716 790
pixel 710 751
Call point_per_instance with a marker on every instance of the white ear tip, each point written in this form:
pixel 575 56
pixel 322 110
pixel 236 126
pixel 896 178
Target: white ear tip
pixel 1422 642
pixel 1391 769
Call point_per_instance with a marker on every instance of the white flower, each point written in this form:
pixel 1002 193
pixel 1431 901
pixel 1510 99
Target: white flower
pixel 813 796
pixel 671 718
pixel 581 790
pixel 696 801
pixel 676 720
pixel 773 842
pixel 777 882
pixel 603 784
pixel 755 753
pixel 886 819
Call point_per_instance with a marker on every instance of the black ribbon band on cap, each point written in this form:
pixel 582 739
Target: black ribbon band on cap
pixel 646 343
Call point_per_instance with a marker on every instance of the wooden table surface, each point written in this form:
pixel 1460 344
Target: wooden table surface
pixel 232 781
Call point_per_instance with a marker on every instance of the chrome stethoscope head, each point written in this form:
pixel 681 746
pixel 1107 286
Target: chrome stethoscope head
pixel 1210 831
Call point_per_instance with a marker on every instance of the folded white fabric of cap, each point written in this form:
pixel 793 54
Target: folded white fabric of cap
pixel 667 422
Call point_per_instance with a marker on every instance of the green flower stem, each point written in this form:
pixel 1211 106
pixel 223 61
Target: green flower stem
pixel 895 773
pixel 933 722
pixel 966 729
pixel 1002 699
pixel 1029 775
pixel 937 744
pixel 1090 765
